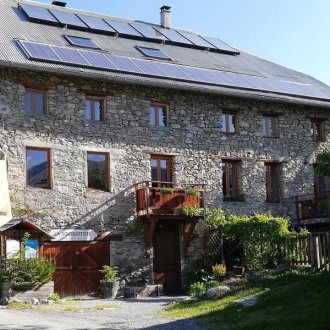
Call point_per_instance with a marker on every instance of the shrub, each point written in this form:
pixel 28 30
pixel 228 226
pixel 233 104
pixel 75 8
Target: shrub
pixel 190 210
pixel 197 289
pixel 55 298
pixel 219 270
pixel 191 191
pixel 110 273
pixel 167 191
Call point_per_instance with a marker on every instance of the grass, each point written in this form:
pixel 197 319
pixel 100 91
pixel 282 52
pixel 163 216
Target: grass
pixel 292 302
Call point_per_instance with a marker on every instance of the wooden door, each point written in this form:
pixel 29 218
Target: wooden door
pixel 77 266
pixel 167 266
pixel 161 170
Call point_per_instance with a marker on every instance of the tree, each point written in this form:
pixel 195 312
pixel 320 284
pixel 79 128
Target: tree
pixel 323 164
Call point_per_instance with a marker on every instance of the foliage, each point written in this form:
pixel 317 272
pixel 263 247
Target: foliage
pixel 166 191
pixel 110 273
pixel 191 191
pixel 265 240
pixel 200 275
pixel 55 298
pixel 197 289
pixel 323 164
pixel 190 210
pixel 19 211
pixel 219 270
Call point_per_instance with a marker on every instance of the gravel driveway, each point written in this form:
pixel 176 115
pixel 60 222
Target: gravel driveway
pixel 96 314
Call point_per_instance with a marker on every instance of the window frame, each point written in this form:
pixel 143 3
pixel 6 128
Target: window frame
pixel 33 92
pixel 226 163
pixel 92 99
pixel 269 182
pixel 107 170
pixel 169 170
pixel 141 49
pixel 227 114
pixel 156 105
pixel 318 135
pixel 275 119
pixel 49 168
pixel 72 43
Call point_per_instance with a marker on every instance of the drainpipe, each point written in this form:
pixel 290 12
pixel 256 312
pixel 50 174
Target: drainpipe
pixel 5 207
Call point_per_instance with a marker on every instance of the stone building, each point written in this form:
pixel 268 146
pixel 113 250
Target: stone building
pixel 118 134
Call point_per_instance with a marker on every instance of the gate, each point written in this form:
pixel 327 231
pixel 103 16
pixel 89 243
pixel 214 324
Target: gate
pixel 78 266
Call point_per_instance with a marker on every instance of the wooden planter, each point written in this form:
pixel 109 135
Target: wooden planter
pixel 109 290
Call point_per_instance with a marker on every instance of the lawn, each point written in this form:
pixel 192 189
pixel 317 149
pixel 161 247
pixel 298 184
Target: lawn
pixel 295 301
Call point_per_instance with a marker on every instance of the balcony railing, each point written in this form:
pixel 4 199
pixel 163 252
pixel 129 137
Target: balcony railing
pixel 168 198
pixel 312 207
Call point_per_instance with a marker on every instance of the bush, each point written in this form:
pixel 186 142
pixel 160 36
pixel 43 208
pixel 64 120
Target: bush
pixel 190 210
pixel 55 298
pixel 197 289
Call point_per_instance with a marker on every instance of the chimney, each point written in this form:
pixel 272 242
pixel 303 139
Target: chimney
pixel 59 3
pixel 165 17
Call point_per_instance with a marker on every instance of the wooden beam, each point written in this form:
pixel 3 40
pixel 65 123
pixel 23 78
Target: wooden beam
pixel 188 229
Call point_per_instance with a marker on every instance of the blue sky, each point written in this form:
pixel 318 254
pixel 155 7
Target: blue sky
pixel 293 33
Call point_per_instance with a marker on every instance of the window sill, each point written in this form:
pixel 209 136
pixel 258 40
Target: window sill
pixel 95 190
pixel 41 188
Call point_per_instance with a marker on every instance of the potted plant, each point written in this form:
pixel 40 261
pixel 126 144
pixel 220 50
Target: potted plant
pixel 110 284
pixel 219 271
pixel 166 191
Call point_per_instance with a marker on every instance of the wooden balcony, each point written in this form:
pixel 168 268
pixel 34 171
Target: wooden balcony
pixel 168 199
pixel 312 207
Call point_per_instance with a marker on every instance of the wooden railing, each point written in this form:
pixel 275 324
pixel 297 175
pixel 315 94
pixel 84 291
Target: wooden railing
pixel 168 198
pixel 312 207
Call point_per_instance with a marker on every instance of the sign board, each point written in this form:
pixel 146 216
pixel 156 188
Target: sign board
pixel 72 235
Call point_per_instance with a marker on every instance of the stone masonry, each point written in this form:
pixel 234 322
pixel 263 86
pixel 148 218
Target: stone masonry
pixel 193 138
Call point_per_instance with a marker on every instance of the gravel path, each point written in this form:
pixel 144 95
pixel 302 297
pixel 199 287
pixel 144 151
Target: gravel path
pixel 97 314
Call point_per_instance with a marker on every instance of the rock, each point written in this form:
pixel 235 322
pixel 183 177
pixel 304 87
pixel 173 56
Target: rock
pixel 232 282
pixel 217 292
pixel 282 268
pixel 44 301
pixel 247 302
pixel 35 301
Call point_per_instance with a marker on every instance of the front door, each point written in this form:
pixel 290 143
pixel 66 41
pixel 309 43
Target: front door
pixel 167 266
pixel 77 266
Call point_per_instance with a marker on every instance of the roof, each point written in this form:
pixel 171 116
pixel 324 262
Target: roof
pixel 225 71
pixel 23 221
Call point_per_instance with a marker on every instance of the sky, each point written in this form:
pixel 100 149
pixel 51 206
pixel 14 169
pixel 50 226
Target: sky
pixel 293 33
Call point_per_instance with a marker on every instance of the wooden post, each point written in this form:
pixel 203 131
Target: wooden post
pixel 317 252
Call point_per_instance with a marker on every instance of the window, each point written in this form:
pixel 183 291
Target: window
pixel 35 101
pixel 230 180
pixel 81 42
pixel 272 182
pixel 270 126
pixel 229 122
pixel 321 185
pixel 317 130
pixel 95 108
pixel 38 166
pixel 158 115
pixel 161 169
pixel 153 52
pixel 98 170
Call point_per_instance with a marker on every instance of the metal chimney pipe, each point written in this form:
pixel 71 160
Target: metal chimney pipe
pixel 165 17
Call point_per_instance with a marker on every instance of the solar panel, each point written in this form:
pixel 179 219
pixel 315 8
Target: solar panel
pixel 94 59
pixel 149 67
pixel 153 52
pixel 68 18
pixel 38 13
pixel 81 42
pixel 123 28
pixel 124 64
pixel 97 60
pixel 173 71
pixel 96 23
pixel 148 31
pixel 174 36
pixel 196 39
pixel 221 45
pixel 69 55
pixel 39 51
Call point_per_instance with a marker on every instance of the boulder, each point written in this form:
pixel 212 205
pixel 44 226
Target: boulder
pixel 282 268
pixel 216 293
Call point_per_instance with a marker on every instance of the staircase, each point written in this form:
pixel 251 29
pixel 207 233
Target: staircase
pixel 5 209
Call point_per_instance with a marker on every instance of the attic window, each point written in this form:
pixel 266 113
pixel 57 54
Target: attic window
pixel 81 42
pixel 153 52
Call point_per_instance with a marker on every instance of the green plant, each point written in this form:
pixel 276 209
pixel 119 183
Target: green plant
pixel 323 164
pixel 110 273
pixel 166 191
pixel 219 270
pixel 55 298
pixel 197 289
pixel 190 210
pixel 19 211
pixel 191 191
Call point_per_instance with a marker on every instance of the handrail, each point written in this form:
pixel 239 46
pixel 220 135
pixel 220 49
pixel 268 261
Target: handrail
pixel 173 184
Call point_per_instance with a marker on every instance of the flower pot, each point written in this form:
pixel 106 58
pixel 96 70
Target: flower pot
pixel 109 289
pixel 5 291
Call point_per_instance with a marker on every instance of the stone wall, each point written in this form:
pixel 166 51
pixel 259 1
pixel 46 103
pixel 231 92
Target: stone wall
pixel 193 137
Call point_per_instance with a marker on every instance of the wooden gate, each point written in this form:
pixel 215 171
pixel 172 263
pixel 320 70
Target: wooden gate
pixel 77 266
pixel 167 266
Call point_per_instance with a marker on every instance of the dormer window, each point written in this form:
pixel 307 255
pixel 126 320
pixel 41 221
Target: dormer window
pixel 153 52
pixel 81 42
